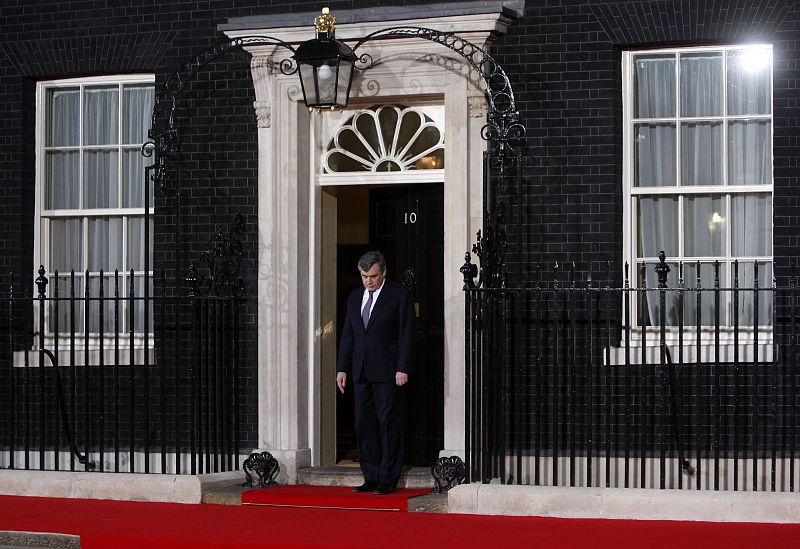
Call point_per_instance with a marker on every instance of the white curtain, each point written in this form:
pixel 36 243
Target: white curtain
pixel 704 220
pixel 63 116
pixel 658 226
pixel 66 245
pixel 749 153
pixel 60 311
pixel 707 305
pixel 100 116
pixel 137 112
pixel 62 177
pixel 752 225
pixel 655 155
pixel 135 255
pixel 101 167
pixel 749 81
pixel 138 308
pixel 701 154
pixel 100 179
pixel 654 81
pixel 655 143
pixel 701 84
pixel 105 244
pixel 133 164
pixel 93 306
pixel 747 296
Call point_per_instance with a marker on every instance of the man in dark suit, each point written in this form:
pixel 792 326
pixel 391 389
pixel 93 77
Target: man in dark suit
pixel 376 351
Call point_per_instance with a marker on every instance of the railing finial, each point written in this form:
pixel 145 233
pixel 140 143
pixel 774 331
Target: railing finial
pixel 41 282
pixel 662 269
pixel 469 270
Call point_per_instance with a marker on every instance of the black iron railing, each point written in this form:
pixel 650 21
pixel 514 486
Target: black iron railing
pixel 580 383
pixel 101 378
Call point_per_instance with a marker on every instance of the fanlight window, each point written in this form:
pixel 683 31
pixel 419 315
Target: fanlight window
pixel 385 139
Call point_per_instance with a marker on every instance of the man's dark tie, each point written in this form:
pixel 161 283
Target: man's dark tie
pixel 365 311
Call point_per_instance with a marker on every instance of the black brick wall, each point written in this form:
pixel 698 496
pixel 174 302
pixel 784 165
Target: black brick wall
pixel 563 58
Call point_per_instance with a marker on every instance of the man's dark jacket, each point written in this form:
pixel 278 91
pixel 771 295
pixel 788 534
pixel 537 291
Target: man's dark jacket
pixel 386 346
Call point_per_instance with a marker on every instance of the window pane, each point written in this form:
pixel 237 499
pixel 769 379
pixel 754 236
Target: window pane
pixel 650 301
pixel 425 141
pixel 100 179
pixel 349 141
pixel 61 314
pixel 704 226
pixel 66 245
pixel 654 85
pixel 431 161
pixel 701 84
pixel 658 226
pixel 135 255
pixel 709 278
pixel 338 162
pixel 138 304
pixel 752 225
pixel 388 118
pixel 100 115
pixel 701 154
pixel 749 72
pixel 365 125
pixel 61 180
pixel 749 153
pixel 105 244
pixel 133 164
pixel 95 305
pixel 137 112
pixel 748 295
pixel 61 129
pixel 409 126
pixel 655 155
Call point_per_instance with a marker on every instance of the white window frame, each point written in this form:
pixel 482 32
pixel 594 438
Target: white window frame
pixel 42 216
pixel 630 194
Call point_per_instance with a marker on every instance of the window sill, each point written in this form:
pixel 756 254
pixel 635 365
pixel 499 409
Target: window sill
pixel 708 352
pixel 87 352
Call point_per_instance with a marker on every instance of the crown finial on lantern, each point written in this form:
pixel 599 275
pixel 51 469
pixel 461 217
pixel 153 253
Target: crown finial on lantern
pixel 325 22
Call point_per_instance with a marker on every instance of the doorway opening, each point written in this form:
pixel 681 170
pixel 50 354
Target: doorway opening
pixel 406 223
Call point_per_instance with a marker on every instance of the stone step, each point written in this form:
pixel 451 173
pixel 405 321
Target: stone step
pixel 337 475
pixel 412 477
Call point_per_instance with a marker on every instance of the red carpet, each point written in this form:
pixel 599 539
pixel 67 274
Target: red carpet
pixel 123 525
pixel 330 497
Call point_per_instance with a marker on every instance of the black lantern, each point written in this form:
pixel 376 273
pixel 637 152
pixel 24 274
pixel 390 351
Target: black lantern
pixel 326 66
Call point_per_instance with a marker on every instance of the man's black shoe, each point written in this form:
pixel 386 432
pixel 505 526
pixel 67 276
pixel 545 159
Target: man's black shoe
pixel 384 489
pixel 366 487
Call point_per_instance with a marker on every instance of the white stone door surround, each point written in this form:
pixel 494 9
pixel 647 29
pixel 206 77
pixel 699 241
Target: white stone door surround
pixel 404 70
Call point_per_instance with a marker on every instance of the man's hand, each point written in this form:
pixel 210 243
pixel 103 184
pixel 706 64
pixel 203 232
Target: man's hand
pixel 341 381
pixel 400 379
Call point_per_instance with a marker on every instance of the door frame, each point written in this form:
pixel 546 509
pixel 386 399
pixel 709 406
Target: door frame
pixel 326 401
pixel 405 70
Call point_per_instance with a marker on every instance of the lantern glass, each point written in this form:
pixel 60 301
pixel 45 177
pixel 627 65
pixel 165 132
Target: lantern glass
pixel 327 74
pixel 343 82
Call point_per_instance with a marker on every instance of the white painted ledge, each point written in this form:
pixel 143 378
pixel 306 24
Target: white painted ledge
pixel 117 486
pixel 622 503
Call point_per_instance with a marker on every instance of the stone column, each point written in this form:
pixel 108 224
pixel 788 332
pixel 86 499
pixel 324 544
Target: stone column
pixel 282 279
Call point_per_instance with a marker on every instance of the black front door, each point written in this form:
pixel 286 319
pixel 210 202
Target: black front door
pixel 407 225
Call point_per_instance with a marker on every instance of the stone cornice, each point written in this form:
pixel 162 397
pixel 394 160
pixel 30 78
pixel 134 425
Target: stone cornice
pixel 480 29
